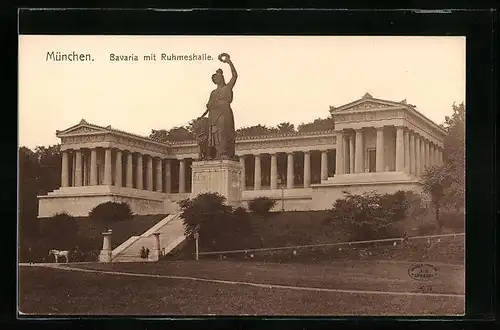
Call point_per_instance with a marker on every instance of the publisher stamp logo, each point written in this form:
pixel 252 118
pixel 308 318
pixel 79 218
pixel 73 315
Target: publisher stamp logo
pixel 423 272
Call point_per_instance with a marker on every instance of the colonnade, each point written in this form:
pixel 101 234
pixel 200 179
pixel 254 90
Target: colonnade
pixel 287 178
pixel 406 151
pixel 111 166
pixel 412 151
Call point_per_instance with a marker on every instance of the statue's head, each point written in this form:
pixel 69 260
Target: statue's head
pixel 218 78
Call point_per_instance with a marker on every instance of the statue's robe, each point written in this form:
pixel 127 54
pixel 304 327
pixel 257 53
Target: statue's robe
pixel 222 135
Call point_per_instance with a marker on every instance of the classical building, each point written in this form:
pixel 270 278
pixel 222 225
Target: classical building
pixel 376 145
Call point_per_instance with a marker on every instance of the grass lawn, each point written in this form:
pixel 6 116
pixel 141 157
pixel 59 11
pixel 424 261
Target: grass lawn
pixel 56 291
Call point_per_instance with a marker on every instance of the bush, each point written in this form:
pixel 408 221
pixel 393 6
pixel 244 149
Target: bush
pixel 111 212
pixel 261 205
pixel 371 215
pixel 220 227
pixel 426 228
pixel 453 221
pixel 240 212
pixel 204 208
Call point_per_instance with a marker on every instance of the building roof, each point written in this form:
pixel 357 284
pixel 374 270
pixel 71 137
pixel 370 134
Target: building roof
pixel 368 102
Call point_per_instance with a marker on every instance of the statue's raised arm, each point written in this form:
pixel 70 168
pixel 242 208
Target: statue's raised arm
pixel 224 57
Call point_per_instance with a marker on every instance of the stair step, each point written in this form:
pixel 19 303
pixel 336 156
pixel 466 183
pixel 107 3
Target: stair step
pixel 171 231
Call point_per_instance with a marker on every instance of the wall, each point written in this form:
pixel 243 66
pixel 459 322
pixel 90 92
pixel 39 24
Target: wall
pixel 79 201
pixel 294 199
pixel 323 197
pixel 170 204
pixel 81 206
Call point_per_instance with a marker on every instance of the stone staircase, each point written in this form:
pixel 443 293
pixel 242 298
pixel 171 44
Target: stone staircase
pixel 171 232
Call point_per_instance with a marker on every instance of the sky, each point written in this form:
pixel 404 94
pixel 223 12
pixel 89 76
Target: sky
pixel 280 79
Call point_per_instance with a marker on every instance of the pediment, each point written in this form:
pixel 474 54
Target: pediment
pixel 361 105
pixel 81 129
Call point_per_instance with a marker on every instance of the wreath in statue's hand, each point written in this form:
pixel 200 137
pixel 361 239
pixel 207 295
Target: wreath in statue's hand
pixel 224 57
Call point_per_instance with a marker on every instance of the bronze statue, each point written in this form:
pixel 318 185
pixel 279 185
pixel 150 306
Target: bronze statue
pixel 221 131
pixel 201 129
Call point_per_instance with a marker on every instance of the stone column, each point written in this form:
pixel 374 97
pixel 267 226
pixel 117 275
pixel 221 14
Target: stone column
pixel 289 171
pixel 407 151
pixel 440 157
pixel 427 154
pixel 345 153
pixel 339 154
pixel 78 168
pixel 118 169
pixel 412 154
pixel 106 252
pixel 138 171
pixel 243 173
pixel 422 156
pixel 130 180
pixel 107 167
pixel 432 154
pixel 257 173
pixel 150 173
pixel 157 252
pixel 324 165
pixel 423 165
pixel 380 155
pixel 64 169
pixel 307 169
pixel 360 159
pixel 93 167
pixel 400 149
pixel 417 155
pixel 73 168
pixel 274 171
pixel 351 154
pixel 168 176
pixel 85 168
pixel 159 175
pixel 182 176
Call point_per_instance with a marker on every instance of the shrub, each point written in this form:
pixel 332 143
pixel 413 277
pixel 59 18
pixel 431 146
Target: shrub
pixel 426 228
pixel 204 208
pixel 261 205
pixel 111 212
pixel 453 221
pixel 240 212
pixel 220 227
pixel 370 215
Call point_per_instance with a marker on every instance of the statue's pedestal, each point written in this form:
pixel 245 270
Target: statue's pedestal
pixel 218 176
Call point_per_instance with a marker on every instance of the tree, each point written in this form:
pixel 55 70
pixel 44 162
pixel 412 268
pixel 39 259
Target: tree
pixel 159 135
pixel 435 180
pixel 49 175
pixel 446 184
pixel 175 134
pixel 454 156
pixel 219 226
pixel 319 124
pixel 199 212
pixel 111 212
pixel 39 173
pixel 286 127
pixel 256 130
pixel 261 205
pixel 28 191
pixel 180 134
pixel 61 231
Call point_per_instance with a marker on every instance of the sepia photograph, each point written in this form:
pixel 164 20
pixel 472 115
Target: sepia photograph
pixel 241 175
